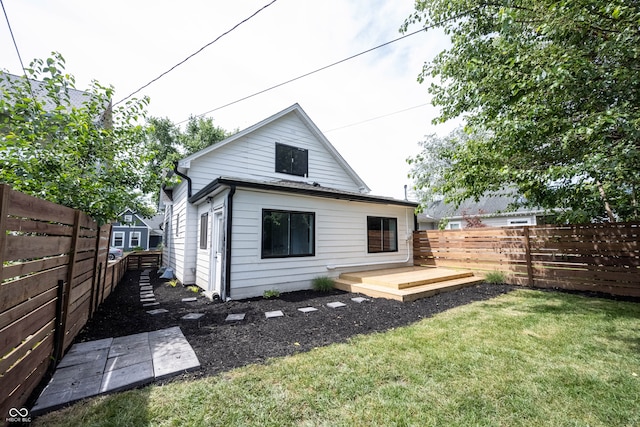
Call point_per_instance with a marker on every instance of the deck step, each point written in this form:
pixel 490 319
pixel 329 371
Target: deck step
pixel 405 295
pixel 404 278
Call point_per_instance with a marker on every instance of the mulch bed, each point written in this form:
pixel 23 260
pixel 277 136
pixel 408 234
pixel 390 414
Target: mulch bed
pixel 222 345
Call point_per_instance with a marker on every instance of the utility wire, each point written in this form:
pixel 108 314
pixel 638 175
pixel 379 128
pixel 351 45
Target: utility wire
pixel 13 38
pixel 196 52
pixel 308 74
pixel 377 118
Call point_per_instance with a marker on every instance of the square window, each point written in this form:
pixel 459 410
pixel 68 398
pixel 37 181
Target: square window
pixel 134 239
pixel 382 234
pixel 118 239
pixel 287 234
pixel 292 160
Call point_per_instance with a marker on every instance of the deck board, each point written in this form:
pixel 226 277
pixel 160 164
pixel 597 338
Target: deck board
pixel 405 284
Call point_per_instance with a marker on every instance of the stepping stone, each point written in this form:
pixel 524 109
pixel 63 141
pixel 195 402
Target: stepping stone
pixel 336 304
pixel 235 317
pixel 145 300
pixel 150 304
pixel 307 309
pixel 360 299
pixel 190 299
pixel 276 313
pixel 158 311
pixel 192 316
pixel 147 295
pixel 146 288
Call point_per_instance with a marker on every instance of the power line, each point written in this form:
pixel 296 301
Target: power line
pixel 13 38
pixel 196 52
pixel 377 118
pixel 310 73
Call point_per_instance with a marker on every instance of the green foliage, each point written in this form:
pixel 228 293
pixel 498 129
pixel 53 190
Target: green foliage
pixel 271 293
pixel 173 283
pixel 549 91
pixel 168 144
pixel 323 284
pixel 137 249
pixel 495 277
pixel 90 157
pixel 194 289
pixel 200 133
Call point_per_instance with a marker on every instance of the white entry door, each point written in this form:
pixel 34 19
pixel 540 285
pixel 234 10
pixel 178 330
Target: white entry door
pixel 217 251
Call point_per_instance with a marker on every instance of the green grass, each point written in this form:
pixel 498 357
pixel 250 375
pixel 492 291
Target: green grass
pixel 527 358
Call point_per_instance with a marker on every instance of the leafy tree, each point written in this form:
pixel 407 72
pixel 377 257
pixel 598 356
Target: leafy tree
pixel 550 91
pixel 200 133
pixel 89 156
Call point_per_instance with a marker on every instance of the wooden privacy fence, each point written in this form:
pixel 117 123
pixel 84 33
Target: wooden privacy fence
pixel 591 257
pixel 53 275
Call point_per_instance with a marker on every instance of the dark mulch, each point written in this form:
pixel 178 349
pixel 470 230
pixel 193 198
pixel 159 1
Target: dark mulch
pixel 222 345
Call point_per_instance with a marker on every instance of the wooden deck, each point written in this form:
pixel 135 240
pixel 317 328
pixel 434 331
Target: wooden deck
pixel 405 284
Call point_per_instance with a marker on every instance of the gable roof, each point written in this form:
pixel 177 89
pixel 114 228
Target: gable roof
pixel 487 205
pixel 297 109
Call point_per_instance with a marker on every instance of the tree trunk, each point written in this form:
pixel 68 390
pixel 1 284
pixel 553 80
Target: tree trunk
pixel 610 214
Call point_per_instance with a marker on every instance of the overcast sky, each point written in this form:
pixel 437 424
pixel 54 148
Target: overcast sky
pixel 128 43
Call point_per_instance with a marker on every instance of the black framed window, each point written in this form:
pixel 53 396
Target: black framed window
pixel 292 160
pixel 287 234
pixel 382 234
pixel 204 230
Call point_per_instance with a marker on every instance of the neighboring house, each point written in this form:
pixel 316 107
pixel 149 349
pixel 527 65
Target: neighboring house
pixel 132 231
pixel 77 98
pixel 273 207
pixel 491 211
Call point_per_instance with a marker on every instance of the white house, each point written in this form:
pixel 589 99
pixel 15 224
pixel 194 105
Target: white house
pixel 273 207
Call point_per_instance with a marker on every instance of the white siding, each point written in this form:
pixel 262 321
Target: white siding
pixel 253 157
pixel 181 248
pixel 341 238
pixel 203 263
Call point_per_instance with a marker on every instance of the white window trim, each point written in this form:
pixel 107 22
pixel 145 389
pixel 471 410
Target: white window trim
pixel 139 234
pixel 113 239
pixel 452 223
pixel 128 218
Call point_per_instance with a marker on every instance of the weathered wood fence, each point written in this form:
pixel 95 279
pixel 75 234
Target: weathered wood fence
pixel 53 275
pixel 592 257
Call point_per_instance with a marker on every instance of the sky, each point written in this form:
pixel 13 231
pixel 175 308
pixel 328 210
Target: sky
pixel 127 44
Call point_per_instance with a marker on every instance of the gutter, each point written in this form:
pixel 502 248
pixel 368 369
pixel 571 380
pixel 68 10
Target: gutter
pixel 181 175
pixel 228 235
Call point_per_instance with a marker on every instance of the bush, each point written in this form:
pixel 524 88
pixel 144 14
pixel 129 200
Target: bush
pixel 271 293
pixel 495 277
pixel 323 284
pixel 137 249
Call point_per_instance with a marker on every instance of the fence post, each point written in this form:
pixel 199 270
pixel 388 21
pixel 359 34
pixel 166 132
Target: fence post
pixel 70 275
pixel 527 255
pixel 4 207
pixel 58 332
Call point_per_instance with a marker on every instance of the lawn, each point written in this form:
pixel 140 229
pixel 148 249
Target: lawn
pixel 526 358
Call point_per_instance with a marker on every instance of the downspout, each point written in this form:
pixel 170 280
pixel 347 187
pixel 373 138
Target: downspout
pixel 227 259
pixel 181 175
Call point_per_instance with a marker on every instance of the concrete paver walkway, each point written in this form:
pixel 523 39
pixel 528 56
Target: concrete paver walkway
pixel 114 364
